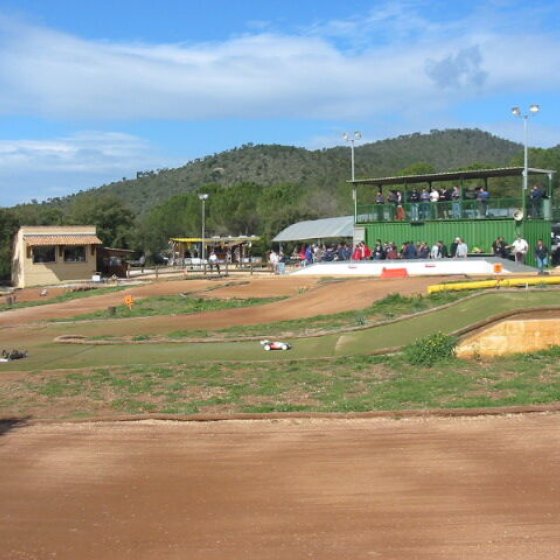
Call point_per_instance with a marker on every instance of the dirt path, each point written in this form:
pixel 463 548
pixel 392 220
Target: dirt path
pixel 483 488
pixel 308 297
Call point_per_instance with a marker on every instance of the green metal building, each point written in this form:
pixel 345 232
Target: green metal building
pixel 478 223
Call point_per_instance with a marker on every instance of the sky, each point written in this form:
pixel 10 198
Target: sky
pixel 91 92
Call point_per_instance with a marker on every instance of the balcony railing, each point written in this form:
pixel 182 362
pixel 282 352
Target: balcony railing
pixel 447 210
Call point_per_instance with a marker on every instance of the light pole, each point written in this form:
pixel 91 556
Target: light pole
pixel 516 111
pixel 203 198
pixel 352 138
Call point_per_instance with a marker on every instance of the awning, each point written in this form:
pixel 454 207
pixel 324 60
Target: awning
pixel 217 240
pixel 326 228
pixel 71 239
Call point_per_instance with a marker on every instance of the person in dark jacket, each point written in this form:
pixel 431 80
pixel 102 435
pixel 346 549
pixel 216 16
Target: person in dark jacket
pixel 541 255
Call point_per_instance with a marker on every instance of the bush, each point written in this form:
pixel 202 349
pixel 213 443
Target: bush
pixel 431 349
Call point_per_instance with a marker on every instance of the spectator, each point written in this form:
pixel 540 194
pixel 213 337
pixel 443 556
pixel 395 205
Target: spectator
pixel 456 202
pixel 541 255
pixel 536 196
pixel 409 250
pixel 380 202
pixel 392 252
pixel 434 198
pixel 462 249
pixel 424 204
pixel 483 197
pixel 378 251
pixel 414 199
pixel 435 252
pixel 499 248
pixel 308 255
pixel 273 261
pixel 453 247
pixel 423 251
pixel 520 248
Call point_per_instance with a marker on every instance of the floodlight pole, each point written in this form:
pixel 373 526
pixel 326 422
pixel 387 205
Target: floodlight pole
pixel 203 198
pixel 352 139
pixel 516 111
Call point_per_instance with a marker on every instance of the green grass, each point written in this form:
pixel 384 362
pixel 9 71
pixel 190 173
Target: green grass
pixel 349 384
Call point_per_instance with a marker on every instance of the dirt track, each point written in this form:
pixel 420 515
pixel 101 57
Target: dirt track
pixel 418 488
pixel 433 488
pixel 307 297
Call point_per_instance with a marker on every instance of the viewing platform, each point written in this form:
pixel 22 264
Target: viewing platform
pixel 500 208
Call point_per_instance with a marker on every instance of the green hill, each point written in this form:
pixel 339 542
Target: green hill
pixel 328 169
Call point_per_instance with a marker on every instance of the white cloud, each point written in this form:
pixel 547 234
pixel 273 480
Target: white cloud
pixel 264 75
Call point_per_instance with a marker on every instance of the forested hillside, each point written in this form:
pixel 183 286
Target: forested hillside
pixel 326 169
pixel 258 189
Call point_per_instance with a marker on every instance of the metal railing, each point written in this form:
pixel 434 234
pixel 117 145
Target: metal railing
pixel 441 210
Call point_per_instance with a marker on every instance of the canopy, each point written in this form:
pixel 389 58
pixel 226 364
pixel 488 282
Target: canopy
pixel 325 228
pixel 453 176
pixel 229 240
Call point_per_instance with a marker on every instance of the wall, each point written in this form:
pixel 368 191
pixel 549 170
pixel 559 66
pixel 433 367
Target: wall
pixel 476 233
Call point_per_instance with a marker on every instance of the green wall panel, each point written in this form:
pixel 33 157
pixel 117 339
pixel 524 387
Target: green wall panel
pixel 476 233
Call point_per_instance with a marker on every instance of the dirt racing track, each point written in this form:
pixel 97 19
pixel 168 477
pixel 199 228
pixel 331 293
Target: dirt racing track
pixel 424 487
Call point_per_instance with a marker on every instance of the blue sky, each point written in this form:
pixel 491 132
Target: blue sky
pixel 91 92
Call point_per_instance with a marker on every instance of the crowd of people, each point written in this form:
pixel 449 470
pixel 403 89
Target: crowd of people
pixel 307 254
pixel 425 203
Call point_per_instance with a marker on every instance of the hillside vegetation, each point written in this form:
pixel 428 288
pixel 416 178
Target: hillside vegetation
pixel 328 169
pixel 258 189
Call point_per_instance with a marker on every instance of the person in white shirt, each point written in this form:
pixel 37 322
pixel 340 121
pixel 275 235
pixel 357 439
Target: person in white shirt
pixel 462 250
pixel 435 252
pixel 520 248
pixel 273 261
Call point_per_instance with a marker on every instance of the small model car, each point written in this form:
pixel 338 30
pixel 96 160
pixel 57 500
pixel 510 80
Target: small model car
pixel 275 345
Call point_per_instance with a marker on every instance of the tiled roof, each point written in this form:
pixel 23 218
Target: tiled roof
pixel 70 239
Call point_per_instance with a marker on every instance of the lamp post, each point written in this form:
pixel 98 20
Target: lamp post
pixel 516 111
pixel 203 198
pixel 352 138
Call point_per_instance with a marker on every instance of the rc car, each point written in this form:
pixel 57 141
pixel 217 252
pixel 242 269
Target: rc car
pixel 275 345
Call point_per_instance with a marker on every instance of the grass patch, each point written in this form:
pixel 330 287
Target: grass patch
pixel 350 384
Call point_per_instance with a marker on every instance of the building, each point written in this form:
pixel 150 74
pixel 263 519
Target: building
pixel 399 210
pixel 45 255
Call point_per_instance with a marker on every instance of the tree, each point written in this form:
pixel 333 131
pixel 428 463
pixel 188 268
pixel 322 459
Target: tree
pixel 114 222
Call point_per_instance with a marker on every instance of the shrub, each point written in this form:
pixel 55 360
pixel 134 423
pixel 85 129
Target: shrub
pixel 431 349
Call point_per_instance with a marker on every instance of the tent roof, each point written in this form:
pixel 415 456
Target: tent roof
pixel 343 226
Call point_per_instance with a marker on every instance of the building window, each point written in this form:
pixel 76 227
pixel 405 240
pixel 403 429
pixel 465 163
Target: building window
pixel 44 254
pixel 75 253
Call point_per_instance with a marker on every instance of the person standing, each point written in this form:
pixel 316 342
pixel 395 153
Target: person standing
pixel 483 197
pixel 273 261
pixel 456 202
pixel 462 249
pixel 541 255
pixel 536 196
pixel 520 248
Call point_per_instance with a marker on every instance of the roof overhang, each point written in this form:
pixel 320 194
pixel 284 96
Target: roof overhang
pixel 453 176
pixel 217 240
pixel 325 228
pixel 36 240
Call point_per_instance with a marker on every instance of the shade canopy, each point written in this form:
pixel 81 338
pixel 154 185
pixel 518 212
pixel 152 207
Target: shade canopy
pixel 325 228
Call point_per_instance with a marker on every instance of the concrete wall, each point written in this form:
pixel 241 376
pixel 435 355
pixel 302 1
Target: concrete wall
pixel 511 337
